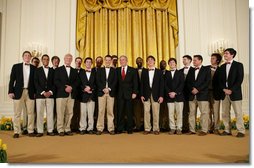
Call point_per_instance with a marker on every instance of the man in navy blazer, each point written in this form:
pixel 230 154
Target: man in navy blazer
pixel 22 91
pixel 231 78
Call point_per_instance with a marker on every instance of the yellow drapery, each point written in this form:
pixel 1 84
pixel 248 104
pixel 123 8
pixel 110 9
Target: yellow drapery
pixel 135 28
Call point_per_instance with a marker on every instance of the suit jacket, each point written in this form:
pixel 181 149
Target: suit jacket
pixel 91 83
pixel 16 83
pixel 157 89
pixel 175 84
pixel 201 83
pixel 101 81
pixel 185 89
pixel 129 85
pixel 235 79
pixel 217 92
pixel 42 83
pixel 61 79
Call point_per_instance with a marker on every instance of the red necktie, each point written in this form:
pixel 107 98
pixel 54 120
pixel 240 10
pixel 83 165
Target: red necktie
pixel 123 73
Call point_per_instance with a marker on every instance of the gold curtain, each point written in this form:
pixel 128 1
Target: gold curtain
pixel 135 28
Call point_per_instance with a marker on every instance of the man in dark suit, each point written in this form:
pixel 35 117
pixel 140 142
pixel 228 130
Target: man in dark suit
pixel 231 78
pixel 76 109
pixel 151 92
pixel 186 109
pixel 66 81
pixel 21 90
pixel 88 87
pixel 137 103
pixel 174 84
pixel 127 90
pixel 43 80
pixel 106 85
pixel 197 83
pixel 214 94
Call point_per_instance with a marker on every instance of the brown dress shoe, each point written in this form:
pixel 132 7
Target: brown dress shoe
pixel 216 132
pixel 68 133
pixel 112 132
pixel 240 135
pixel 190 133
pixel 202 133
pixel 172 132
pixel 178 132
pixel 39 135
pixel 224 133
pixel 98 132
pixel 156 132
pixel 16 136
pixel 146 132
pixel 31 134
pixel 61 134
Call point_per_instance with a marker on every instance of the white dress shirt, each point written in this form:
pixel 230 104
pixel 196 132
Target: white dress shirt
pixel 151 76
pixel 46 71
pixel 228 66
pixel 88 74
pixel 107 74
pixel 197 71
pixel 68 69
pixel 186 70
pixel 26 73
pixel 173 72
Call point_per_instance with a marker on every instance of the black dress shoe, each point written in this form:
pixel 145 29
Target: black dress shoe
pixel 224 133
pixel 98 132
pixel 83 132
pixel 240 135
pixel 31 135
pixel 16 136
pixel 156 132
pixel 69 133
pixel 119 132
pixel 112 132
pixel 50 134
pixel 61 134
pixel 25 132
pixel 130 132
pixel 39 135
pixel 91 132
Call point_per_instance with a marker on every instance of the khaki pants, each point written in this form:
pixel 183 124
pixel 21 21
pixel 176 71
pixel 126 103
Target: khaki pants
pixel 24 116
pixel 175 109
pixel 87 111
pixel 105 102
pixel 226 118
pixel 41 105
pixel 204 109
pixel 147 115
pixel 18 107
pixel 64 109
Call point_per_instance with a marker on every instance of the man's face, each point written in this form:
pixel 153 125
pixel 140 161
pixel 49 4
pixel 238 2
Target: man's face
pixel 123 61
pixel 172 64
pixel 45 61
pixel 227 56
pixel 35 63
pixel 68 60
pixel 150 62
pixel 196 62
pixel 163 65
pixel 115 61
pixel 88 64
pixel 139 62
pixel 186 61
pixel 78 63
pixel 26 57
pixel 55 62
pixel 99 62
pixel 108 61
pixel 213 60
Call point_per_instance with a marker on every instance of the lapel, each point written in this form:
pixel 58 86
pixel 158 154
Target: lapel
pixel 104 73
pixel 21 70
pixel 128 72
pixel 200 72
pixel 66 74
pixel 42 71
pixel 230 70
pixel 154 76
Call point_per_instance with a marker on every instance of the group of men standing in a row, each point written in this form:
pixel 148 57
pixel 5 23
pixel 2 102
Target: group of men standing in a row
pixel 72 96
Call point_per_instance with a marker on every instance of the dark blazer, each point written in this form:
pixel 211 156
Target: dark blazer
pixel 157 89
pixel 101 81
pixel 85 82
pixel 16 83
pixel 175 84
pixel 217 92
pixel 129 85
pixel 235 79
pixel 42 83
pixel 61 79
pixel 201 83
pixel 185 89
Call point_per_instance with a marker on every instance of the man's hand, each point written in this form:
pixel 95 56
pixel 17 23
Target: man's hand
pixel 227 91
pixel 172 95
pixel 68 89
pixel 194 91
pixel 142 99
pixel 47 94
pixel 106 91
pixel 160 100
pixel 11 95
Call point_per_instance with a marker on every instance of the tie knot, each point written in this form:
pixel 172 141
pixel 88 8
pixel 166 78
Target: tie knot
pixel 46 67
pixel 67 66
pixel 196 68
pixel 88 70
pixel 172 70
pixel 228 63
pixel 107 67
pixel 150 69
pixel 186 67
pixel 27 64
pixel 212 67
